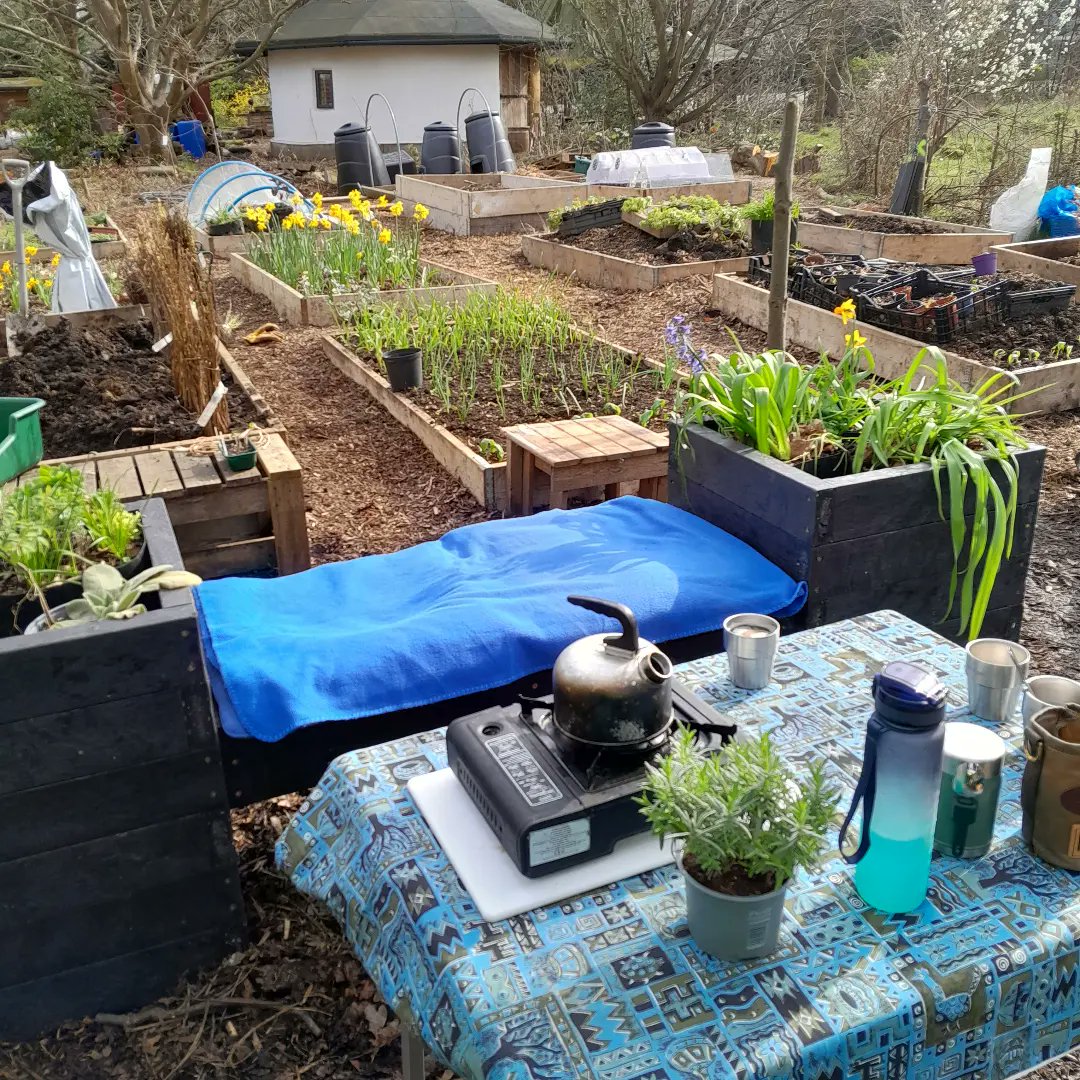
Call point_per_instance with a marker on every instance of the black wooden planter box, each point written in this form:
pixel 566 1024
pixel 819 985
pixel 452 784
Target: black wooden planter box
pixel 117 869
pixel 861 543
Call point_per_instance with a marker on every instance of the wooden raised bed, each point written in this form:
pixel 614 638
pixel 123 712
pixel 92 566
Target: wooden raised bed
pixel 861 543
pixel 731 191
pixel 117 869
pixel 301 310
pixel 478 204
pixel 1042 258
pixel 116 316
pixel 613 272
pixel 223 246
pixel 960 245
pixel 1056 386
pixel 104 249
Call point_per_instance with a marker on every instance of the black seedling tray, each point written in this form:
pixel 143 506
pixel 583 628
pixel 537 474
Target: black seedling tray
pixel 971 308
pixel 1039 301
pixel 598 216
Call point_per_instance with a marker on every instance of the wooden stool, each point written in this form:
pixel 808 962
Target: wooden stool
pixel 601 451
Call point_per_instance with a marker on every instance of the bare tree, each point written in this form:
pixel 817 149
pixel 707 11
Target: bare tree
pixel 676 58
pixel 156 51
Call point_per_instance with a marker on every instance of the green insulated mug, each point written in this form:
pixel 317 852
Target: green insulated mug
pixel 970 785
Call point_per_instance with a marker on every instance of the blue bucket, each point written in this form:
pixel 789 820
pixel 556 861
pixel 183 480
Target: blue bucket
pixel 189 134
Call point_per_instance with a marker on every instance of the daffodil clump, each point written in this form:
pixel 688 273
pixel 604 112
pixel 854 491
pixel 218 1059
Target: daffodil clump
pixel 339 249
pixel 39 282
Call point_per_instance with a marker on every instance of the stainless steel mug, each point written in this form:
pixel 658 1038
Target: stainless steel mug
pixel 996 672
pixel 970 786
pixel 1044 691
pixel 750 642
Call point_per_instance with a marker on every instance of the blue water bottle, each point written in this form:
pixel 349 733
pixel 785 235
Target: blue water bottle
pixel 898 788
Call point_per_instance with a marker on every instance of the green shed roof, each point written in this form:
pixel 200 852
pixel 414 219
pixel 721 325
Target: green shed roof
pixel 406 22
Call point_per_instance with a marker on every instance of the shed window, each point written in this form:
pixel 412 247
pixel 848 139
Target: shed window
pixel 324 89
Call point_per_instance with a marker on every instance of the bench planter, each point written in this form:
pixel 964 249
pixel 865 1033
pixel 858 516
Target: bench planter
pixel 1042 258
pixel 861 543
pixel 612 272
pixel 301 310
pixel 1056 386
pixel 479 204
pixel 959 245
pixel 117 870
pixel 736 192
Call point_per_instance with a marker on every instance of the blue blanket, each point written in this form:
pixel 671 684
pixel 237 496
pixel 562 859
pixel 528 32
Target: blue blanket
pixel 482 607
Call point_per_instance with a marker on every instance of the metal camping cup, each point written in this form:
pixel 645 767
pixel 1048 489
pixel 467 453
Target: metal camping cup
pixel 750 642
pixel 996 672
pixel 1044 691
pixel 970 785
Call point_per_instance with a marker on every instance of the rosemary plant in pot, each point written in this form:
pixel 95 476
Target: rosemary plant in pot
pixel 745 823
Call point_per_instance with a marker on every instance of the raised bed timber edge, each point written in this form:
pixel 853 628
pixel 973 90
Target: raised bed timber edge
pixel 117 868
pixel 116 316
pixel 478 204
pixel 960 245
pixel 612 272
pixel 301 310
pixel 103 249
pixel 861 543
pixel 1056 386
pixel 486 481
pixel 1043 259
pixel 736 192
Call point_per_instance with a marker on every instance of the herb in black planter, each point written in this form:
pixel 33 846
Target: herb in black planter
pixel 760 216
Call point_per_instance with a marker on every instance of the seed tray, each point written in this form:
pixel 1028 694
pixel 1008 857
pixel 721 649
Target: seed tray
pixel 1039 301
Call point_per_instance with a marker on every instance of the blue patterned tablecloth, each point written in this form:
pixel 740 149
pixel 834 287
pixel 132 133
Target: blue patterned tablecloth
pixel 981 982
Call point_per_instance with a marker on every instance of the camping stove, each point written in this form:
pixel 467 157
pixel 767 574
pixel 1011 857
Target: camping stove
pixel 552 802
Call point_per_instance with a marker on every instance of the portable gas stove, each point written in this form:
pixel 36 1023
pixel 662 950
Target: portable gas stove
pixel 552 802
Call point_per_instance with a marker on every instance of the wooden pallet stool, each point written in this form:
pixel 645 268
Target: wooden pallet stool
pixel 603 451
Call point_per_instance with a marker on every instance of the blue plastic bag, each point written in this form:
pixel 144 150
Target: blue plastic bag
pixel 1057 212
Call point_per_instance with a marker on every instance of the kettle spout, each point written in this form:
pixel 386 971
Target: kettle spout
pixel 656 666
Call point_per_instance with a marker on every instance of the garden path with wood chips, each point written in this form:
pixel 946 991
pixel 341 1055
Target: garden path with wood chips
pixel 296 1003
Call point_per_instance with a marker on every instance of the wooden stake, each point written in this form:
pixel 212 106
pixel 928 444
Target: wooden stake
pixel 781 240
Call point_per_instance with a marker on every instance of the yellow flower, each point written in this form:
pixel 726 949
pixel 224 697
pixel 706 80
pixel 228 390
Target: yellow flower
pixel 6 268
pixel 296 198
pixel 420 211
pixel 32 283
pixel 381 201
pixel 356 199
pixel 353 228
pixel 854 340
pixel 31 250
pixel 316 200
pixel 250 214
pixel 54 262
pixel 336 211
pixel 846 310
pixel 396 208
pixel 326 223
pixel 385 236
pixel 269 207
pixel 287 223
pixel 260 225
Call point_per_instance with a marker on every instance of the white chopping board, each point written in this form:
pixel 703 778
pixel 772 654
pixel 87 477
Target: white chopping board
pixel 498 888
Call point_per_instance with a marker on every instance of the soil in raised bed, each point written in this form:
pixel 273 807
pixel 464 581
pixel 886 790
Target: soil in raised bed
pixel 1072 260
pixel 628 242
pixel 1031 332
pixel 105 390
pixel 882 223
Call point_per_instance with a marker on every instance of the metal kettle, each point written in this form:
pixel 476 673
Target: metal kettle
pixel 612 691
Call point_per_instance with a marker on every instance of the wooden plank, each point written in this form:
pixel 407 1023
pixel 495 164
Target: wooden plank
pixel 538 441
pixel 206 504
pixel 228 560
pixel 240 379
pixel 157 473
pixel 105 737
pixel 516 481
pixel 610 471
pixel 531 198
pixel 55 816
pixel 232 477
pixel 205 535
pixel 286 301
pixel 1042 258
pixel 196 471
pixel 287 507
pixel 89 475
pixel 120 475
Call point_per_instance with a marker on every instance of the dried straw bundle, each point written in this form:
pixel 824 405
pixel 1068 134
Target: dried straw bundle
pixel 181 300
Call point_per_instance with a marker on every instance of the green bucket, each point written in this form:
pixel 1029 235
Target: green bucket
pixel 20 447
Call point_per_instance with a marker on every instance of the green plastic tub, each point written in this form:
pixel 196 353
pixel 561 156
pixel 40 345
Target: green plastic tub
pixel 20 447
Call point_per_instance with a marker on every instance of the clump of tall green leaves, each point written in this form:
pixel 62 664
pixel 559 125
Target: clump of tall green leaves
pixel 763 209
pixel 49 523
pixel 743 807
pixel 966 436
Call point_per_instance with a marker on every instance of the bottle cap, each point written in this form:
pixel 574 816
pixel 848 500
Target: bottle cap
pixel 909 687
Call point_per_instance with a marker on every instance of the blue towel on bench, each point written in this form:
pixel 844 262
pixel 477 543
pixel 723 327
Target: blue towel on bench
pixel 481 607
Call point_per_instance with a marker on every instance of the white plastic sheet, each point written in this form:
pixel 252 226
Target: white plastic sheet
pixel 1016 209
pixel 78 284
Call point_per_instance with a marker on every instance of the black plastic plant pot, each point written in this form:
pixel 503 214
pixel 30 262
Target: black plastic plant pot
pixel 761 235
pixel 225 228
pixel 404 369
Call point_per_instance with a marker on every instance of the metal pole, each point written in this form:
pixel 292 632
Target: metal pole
pixel 16 183
pixel 397 135
pixel 491 117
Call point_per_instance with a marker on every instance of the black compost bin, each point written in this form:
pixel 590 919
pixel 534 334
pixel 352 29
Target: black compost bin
pixel 359 159
pixel 489 148
pixel 654 133
pixel 440 152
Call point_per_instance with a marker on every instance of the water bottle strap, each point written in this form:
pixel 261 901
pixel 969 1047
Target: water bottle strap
pixel 865 791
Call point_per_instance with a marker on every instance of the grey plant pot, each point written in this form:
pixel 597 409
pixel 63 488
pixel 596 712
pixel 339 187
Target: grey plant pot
pixel 733 927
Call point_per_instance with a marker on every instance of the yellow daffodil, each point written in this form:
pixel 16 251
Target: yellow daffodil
pixel 385 236
pixel 54 262
pixel 353 228
pixel 381 201
pixel 32 283
pixel 336 211
pixel 287 224
pixel 396 208
pixel 316 200
pixel 31 250
pixel 269 207
pixel 6 268
pixel 260 225
pixel 296 198
pixel 846 310
pixel 327 223
pixel 420 212
pixel 356 199
pixel 854 340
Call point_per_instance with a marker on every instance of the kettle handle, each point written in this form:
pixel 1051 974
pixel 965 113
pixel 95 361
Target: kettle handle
pixel 628 639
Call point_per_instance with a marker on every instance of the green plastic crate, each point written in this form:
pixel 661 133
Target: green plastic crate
pixel 20 448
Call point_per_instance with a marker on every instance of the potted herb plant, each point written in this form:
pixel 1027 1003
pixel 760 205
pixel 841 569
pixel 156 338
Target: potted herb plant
pixel 760 215
pixel 224 221
pixel 238 450
pixel 745 823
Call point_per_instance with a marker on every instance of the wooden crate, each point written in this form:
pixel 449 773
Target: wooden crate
pixel 479 204
pixel 613 272
pixel 1043 258
pixel 117 870
pixel 959 245
pixel 861 543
